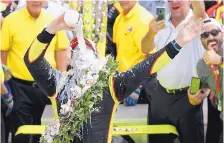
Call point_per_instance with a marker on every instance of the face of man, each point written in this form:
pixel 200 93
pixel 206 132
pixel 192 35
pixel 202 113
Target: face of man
pixel 34 7
pixel 127 5
pixel 89 57
pixel 212 38
pixel 179 8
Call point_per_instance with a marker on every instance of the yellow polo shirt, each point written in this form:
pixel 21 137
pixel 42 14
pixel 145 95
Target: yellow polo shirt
pixel 18 31
pixel 128 32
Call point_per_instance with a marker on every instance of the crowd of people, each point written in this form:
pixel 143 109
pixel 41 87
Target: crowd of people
pixel 157 59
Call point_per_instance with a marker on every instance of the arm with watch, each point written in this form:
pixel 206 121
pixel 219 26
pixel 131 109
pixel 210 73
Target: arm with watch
pixel 185 35
pixel 124 83
pixel 168 52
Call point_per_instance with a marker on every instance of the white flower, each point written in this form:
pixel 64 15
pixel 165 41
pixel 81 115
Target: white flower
pixel 87 80
pixel 65 108
pixel 50 140
pixel 83 82
pixel 78 91
pixel 51 131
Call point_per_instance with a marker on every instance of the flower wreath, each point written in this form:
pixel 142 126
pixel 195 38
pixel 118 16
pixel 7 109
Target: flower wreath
pixel 79 90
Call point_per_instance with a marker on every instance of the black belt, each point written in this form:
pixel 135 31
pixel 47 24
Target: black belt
pixel 174 91
pixel 25 82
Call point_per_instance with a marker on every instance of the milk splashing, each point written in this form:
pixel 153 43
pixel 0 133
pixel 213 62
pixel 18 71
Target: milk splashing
pixel 84 72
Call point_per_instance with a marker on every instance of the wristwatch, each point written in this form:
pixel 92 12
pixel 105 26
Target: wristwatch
pixel 176 46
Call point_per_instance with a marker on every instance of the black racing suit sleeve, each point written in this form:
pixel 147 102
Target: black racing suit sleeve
pixel 38 67
pixel 126 82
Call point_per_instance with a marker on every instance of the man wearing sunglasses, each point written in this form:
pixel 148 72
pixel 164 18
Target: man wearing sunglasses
pixel 168 98
pixel 210 71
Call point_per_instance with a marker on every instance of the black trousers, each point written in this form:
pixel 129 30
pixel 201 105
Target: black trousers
pixel 215 125
pixel 4 123
pixel 2 129
pixel 176 110
pixel 145 94
pixel 29 104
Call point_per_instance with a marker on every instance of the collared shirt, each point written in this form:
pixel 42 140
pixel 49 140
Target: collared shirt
pixel 128 32
pixel 179 72
pixel 19 30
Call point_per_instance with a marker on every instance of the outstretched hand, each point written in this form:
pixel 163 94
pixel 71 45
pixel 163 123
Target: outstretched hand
pixel 190 30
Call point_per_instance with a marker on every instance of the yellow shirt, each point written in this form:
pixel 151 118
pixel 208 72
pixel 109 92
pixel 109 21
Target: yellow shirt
pixel 128 32
pixel 19 29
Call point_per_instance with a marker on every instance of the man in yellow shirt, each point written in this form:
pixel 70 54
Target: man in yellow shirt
pixel 130 27
pixel 18 31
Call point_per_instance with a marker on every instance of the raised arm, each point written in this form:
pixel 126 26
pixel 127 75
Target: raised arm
pixel 38 67
pixel 126 82
pixel 147 42
pixel 42 72
pixel 123 84
pixel 199 9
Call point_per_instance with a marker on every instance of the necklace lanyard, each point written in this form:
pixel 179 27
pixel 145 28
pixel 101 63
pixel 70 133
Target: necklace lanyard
pixel 217 79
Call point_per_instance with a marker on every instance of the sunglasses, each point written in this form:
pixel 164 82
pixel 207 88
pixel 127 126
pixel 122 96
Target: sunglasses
pixel 213 32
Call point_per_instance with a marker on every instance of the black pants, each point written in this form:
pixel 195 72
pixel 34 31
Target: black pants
pixel 215 125
pixel 29 104
pixel 145 94
pixel 176 110
pixel 2 129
